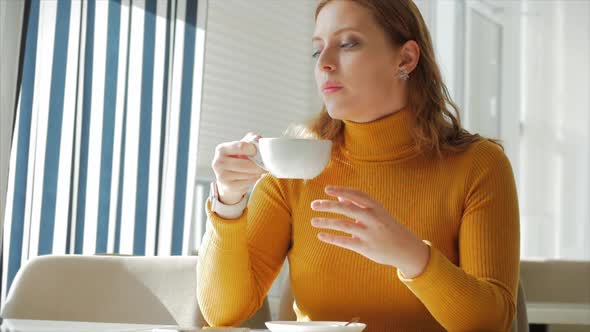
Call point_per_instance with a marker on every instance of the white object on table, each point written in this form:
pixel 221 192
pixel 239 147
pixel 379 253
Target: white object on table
pixel 31 325
pixel 317 326
pixel 558 313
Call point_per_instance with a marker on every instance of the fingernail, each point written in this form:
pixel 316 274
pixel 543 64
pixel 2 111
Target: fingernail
pixel 315 204
pixel 329 188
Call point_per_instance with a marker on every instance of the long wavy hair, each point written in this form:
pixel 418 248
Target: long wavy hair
pixel 438 130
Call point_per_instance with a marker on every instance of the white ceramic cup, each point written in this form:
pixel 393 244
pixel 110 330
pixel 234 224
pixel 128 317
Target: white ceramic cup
pixel 292 158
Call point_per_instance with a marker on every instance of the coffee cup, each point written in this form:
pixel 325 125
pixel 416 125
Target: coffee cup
pixel 292 158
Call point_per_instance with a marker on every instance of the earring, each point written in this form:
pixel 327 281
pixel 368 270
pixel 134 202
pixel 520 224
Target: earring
pixel 404 75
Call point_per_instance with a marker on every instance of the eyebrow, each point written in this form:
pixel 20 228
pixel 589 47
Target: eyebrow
pixel 336 32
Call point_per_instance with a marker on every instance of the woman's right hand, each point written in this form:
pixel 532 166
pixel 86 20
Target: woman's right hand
pixel 234 172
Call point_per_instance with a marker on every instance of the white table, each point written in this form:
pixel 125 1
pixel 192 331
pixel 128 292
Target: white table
pixel 558 313
pixel 25 325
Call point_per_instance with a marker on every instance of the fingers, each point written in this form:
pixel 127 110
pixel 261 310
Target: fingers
pixel 345 208
pixel 346 242
pixel 240 182
pixel 357 197
pixel 344 200
pixel 242 148
pixel 354 228
pixel 235 173
pixel 231 164
pixel 229 176
pixel 251 137
pixel 238 148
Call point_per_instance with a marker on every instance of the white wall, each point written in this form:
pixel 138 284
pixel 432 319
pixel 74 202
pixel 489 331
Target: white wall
pixel 258 71
pixel 11 13
pixel 555 149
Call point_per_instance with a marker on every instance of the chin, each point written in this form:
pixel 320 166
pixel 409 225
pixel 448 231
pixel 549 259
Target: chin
pixel 341 113
pixel 336 113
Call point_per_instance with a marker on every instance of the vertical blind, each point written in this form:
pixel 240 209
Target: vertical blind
pixel 103 157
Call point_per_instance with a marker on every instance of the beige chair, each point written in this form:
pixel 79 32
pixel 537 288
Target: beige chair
pixel 520 322
pixel 557 281
pixel 260 317
pixel 286 311
pixel 116 289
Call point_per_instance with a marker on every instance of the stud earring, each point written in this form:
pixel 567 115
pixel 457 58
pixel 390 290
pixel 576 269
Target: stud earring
pixel 404 75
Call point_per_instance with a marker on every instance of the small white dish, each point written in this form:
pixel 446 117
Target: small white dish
pixel 317 326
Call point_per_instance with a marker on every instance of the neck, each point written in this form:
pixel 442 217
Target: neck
pixel 386 138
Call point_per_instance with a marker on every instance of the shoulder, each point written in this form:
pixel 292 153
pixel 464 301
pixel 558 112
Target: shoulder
pixel 482 153
pixel 486 153
pixel 486 161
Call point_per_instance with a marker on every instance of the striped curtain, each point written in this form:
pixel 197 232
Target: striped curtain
pixel 104 146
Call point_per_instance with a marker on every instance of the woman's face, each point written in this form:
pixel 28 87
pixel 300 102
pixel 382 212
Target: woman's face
pixel 354 54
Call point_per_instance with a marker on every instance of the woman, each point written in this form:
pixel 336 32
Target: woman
pixel 414 225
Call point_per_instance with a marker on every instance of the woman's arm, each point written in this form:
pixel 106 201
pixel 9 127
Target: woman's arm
pixel 480 294
pixel 240 258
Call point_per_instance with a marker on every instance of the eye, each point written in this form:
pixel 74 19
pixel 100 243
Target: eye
pixel 349 45
pixel 343 45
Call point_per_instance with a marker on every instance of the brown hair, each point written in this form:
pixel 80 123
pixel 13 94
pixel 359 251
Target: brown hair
pixel 438 130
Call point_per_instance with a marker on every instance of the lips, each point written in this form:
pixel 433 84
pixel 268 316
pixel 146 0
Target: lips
pixel 330 88
pixel 328 91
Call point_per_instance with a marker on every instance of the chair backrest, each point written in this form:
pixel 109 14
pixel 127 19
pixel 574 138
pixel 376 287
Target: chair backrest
pixel 521 322
pixel 556 281
pixel 286 311
pixel 260 317
pixel 150 290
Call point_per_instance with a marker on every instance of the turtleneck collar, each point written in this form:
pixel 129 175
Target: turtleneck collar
pixel 388 138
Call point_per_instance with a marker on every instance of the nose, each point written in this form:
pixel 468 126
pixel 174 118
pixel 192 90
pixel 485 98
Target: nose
pixel 326 62
pixel 327 67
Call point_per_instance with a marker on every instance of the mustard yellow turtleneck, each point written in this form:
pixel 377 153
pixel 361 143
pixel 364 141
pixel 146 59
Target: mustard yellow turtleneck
pixel 465 205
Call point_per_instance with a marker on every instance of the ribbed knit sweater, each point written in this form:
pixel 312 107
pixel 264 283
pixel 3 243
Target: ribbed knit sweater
pixel 464 205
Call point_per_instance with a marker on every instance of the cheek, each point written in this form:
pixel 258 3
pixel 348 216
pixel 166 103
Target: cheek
pixel 368 84
pixel 370 81
pixel 366 74
pixel 318 77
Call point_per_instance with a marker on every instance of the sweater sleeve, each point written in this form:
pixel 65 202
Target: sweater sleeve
pixel 240 258
pixel 480 293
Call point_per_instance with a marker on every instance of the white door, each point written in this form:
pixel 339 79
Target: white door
pixel 483 67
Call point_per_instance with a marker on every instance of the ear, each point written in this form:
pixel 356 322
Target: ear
pixel 408 57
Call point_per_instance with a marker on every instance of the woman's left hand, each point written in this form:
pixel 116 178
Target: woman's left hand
pixel 374 233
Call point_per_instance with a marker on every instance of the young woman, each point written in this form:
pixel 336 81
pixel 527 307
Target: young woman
pixel 414 225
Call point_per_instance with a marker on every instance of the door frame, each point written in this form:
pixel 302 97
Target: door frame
pixel 487 10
